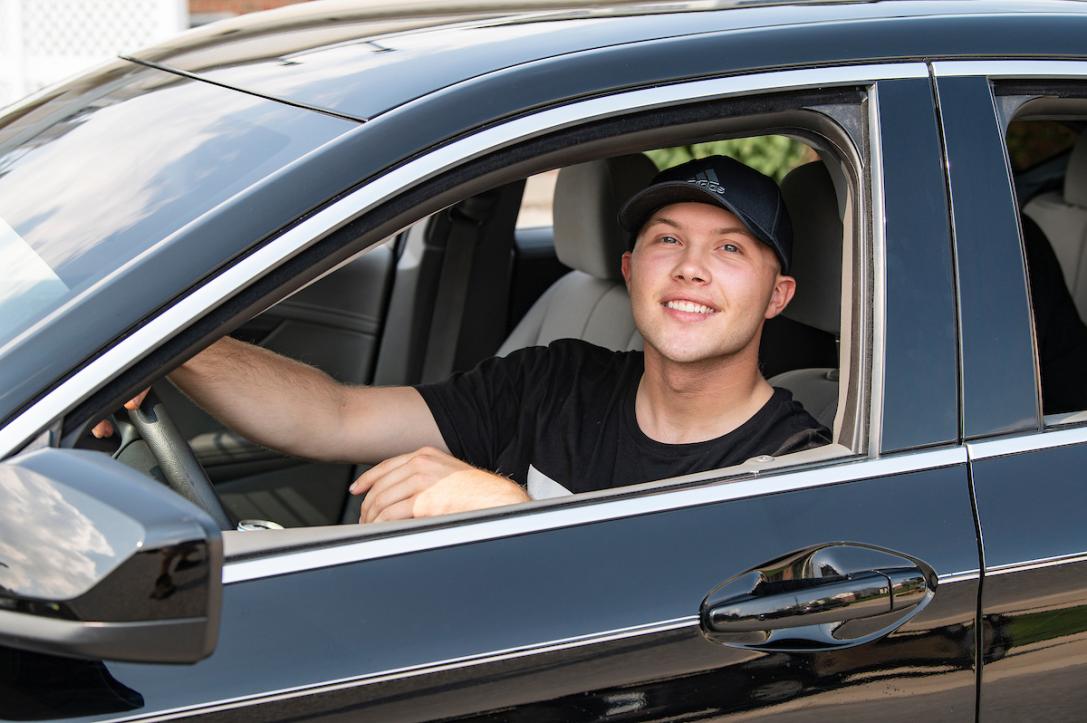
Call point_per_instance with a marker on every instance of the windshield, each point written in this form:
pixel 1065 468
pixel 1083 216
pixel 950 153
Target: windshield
pixel 98 176
pixel 30 287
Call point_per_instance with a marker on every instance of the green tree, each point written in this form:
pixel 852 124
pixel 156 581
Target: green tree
pixel 773 155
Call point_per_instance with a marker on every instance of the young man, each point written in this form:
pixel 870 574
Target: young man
pixel 708 265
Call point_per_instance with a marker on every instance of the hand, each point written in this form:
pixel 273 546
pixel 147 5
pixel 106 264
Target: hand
pixel 430 482
pixel 104 429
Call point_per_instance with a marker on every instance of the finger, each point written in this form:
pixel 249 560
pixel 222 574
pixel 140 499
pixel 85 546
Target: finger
pixel 392 495
pixel 418 464
pixel 367 479
pixel 411 468
pixel 137 400
pixel 400 511
pixel 103 429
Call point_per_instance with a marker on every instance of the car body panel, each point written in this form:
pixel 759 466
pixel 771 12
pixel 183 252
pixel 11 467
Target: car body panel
pixel 920 372
pixel 291 63
pixel 996 321
pixel 1030 500
pixel 352 625
pixel 1029 485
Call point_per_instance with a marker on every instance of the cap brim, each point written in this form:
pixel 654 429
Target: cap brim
pixel 641 205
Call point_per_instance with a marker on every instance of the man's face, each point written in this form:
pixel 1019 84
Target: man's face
pixel 700 284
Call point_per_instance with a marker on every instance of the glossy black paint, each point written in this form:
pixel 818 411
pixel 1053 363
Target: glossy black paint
pixel 355 621
pixel 999 393
pixel 294 65
pixel 135 563
pixel 1029 517
pixel 1030 504
pixel 920 394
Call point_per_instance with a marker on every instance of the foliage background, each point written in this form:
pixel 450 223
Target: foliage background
pixel 773 155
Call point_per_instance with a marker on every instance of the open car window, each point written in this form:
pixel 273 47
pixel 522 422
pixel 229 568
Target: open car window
pixel 1047 149
pixel 815 350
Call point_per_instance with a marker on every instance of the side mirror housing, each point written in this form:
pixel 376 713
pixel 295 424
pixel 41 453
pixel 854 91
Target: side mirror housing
pixel 98 561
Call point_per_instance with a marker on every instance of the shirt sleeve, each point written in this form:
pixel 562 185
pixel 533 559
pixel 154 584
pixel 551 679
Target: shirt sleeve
pixel 479 412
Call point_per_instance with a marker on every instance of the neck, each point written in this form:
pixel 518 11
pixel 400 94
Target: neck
pixel 683 402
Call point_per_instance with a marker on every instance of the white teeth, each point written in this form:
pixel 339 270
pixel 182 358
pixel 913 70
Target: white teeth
pixel 689 306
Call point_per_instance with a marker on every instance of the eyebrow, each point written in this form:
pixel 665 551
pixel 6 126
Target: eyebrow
pixel 720 231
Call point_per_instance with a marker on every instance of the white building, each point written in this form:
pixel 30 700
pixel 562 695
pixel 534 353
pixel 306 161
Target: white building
pixel 44 41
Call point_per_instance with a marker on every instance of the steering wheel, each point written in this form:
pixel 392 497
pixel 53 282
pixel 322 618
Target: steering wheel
pixel 179 465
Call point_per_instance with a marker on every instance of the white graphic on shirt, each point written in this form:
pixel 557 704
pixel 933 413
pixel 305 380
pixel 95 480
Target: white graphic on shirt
pixel 542 487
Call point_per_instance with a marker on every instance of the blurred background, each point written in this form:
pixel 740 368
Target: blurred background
pixel 44 41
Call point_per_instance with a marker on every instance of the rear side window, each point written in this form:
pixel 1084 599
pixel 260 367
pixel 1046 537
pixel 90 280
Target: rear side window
pixel 1049 160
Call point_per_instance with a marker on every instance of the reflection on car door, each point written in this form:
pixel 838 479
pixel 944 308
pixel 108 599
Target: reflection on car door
pixel 1029 482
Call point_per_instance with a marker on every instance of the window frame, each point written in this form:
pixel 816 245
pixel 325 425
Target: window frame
pixel 1017 100
pixel 1002 74
pixel 185 327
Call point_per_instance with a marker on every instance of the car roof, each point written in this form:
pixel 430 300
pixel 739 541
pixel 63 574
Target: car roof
pixel 360 62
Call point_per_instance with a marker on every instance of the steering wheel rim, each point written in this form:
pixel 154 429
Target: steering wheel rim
pixel 182 470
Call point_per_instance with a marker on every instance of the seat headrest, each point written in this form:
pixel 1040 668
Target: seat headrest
pixel 588 197
pixel 817 247
pixel 1075 177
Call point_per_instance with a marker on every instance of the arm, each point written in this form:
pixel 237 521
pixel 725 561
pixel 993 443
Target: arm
pixel 297 409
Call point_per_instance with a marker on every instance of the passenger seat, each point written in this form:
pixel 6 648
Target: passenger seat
pixel 1062 216
pixel 816 264
pixel 590 302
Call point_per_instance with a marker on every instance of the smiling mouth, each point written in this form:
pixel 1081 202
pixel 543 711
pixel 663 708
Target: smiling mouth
pixel 690 307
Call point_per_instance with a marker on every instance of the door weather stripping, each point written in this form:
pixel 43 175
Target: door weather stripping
pixel 1012 69
pixel 1032 442
pixel 1027 566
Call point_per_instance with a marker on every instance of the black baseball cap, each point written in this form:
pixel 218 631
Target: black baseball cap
pixel 720 181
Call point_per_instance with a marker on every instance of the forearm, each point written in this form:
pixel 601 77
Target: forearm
pixel 267 398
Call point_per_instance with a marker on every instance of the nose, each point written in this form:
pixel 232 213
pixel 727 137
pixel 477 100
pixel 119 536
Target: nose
pixel 692 266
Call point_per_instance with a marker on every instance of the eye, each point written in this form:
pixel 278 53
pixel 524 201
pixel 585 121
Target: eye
pixel 671 240
pixel 731 248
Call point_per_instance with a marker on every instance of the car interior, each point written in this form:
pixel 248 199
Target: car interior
pixel 465 283
pixel 1049 159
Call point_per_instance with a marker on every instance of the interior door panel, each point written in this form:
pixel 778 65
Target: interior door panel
pixel 333 324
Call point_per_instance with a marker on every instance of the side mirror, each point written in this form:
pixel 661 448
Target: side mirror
pixel 98 561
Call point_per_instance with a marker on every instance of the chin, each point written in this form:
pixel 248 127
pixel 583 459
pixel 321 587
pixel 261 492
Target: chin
pixel 688 354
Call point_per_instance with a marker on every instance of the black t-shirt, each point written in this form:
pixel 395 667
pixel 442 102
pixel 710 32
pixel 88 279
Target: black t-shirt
pixel 561 419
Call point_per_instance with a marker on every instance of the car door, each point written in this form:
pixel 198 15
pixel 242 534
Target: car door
pixel 1026 468
pixel 622 605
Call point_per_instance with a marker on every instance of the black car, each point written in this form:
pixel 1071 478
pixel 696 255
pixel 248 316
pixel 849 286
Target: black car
pixel 342 186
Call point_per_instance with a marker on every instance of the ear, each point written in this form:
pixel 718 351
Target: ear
pixel 624 266
pixel 782 294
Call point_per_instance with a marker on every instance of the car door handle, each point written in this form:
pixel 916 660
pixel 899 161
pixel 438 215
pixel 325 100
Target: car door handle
pixel 818 601
pixel 824 597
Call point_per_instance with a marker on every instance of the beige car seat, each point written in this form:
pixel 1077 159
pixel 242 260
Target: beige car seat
pixel 816 264
pixel 1062 216
pixel 590 302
